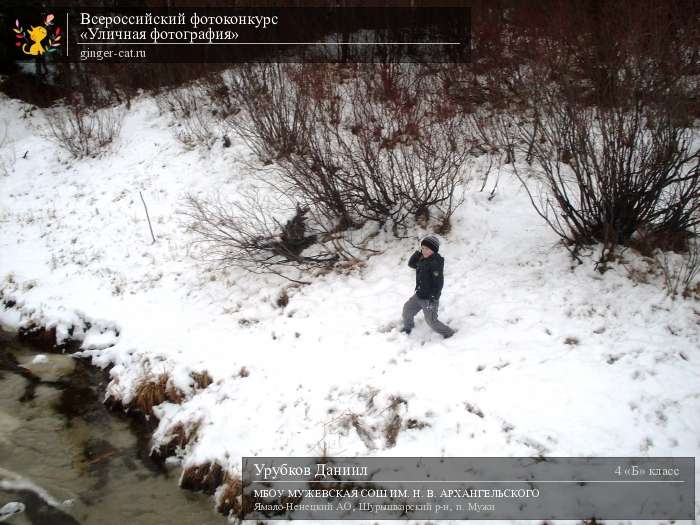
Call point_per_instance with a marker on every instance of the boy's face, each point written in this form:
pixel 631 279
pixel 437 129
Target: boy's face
pixel 427 252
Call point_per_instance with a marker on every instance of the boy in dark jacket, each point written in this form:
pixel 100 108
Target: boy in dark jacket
pixel 429 280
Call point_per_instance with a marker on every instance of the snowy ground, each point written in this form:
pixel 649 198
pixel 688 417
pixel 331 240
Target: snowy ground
pixel 550 358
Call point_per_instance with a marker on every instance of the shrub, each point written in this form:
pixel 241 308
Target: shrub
pixel 153 391
pixel 380 147
pixel 82 131
pixel 276 112
pixel 199 109
pixel 680 271
pixel 245 234
pixel 609 171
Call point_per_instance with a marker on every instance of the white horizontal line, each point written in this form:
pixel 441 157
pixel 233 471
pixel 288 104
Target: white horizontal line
pixel 272 43
pixel 473 481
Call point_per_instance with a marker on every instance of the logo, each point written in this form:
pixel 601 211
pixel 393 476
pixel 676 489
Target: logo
pixel 38 40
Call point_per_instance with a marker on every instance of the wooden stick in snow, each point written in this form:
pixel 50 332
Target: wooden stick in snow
pixel 149 219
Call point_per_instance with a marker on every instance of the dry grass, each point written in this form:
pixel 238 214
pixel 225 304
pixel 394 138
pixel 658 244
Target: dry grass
pixel 647 242
pixel 283 299
pixel 154 391
pixel 365 435
pixel 349 267
pixel 472 409
pixel 84 132
pixel 680 276
pixel 394 421
pixel 230 500
pixel 692 292
pixel 212 478
pixel 413 423
pixel 206 477
pixel 179 437
pixel 639 276
pixel 391 430
pixel 201 379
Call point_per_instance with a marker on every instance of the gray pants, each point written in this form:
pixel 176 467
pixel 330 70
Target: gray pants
pixel 430 311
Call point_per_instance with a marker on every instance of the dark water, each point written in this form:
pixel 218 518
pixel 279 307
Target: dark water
pixel 71 461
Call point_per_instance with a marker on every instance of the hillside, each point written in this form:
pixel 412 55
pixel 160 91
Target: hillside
pixel 550 357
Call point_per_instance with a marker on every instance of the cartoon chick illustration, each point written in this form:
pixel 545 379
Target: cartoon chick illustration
pixel 37 34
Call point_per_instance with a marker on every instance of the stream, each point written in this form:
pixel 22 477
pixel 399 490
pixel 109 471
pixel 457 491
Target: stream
pixel 65 459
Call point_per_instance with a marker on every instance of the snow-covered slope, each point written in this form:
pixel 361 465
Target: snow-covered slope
pixel 550 357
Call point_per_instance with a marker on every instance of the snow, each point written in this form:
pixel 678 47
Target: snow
pixel 10 509
pixel 550 357
pixel 11 481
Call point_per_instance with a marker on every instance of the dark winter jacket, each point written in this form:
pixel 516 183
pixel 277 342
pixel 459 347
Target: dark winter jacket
pixel 429 278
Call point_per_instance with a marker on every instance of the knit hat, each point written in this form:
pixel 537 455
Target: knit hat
pixel 432 242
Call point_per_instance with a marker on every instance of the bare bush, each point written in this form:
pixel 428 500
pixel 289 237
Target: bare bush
pixel 609 171
pixel 599 98
pixel 200 109
pixel 378 145
pixel 218 87
pixel 246 234
pixel 680 271
pixel 381 147
pixel 195 114
pixel 397 150
pixel 83 132
pixel 276 113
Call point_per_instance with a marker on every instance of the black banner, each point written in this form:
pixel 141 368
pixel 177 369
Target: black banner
pixel 469 488
pixel 242 34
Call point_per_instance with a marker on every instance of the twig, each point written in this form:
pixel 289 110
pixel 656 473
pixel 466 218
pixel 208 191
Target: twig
pixel 149 219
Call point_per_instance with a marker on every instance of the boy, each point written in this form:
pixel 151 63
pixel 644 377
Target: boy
pixel 429 280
